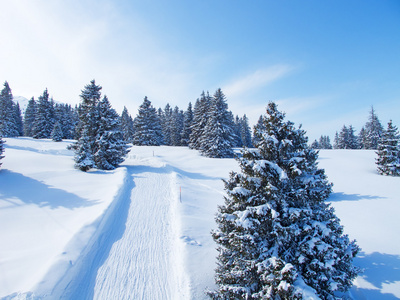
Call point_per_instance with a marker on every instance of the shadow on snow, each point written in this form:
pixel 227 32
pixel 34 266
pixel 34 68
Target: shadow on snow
pixel 379 269
pixel 337 197
pixel 81 280
pixel 31 191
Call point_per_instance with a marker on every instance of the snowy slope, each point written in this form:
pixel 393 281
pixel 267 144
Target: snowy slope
pixel 143 230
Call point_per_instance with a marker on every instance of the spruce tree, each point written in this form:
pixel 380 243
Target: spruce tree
pixel 373 131
pixel 110 146
pixel 245 133
pixel 57 134
pixel 147 127
pixel 276 232
pixel 29 117
pixel 217 139
pixel 177 120
pixel 388 161
pixel 200 117
pixel 44 119
pixel 187 124
pixel 127 125
pixel 258 127
pixel 8 115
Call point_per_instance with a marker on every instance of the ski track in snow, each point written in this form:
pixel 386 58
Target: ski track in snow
pixel 136 252
pixel 143 263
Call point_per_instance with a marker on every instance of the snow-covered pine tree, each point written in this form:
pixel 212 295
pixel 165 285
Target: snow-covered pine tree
pixel 19 126
pixel 187 124
pixel 200 117
pixel 324 142
pixel 275 232
pixel 217 139
pixel 388 161
pixel 336 142
pixel 146 125
pixel 57 134
pixel 245 133
pixel 258 127
pixel 45 118
pixel 237 129
pixel 8 116
pixel 87 128
pixel 352 138
pixel 110 146
pixel 315 145
pixel 362 139
pixel 1 149
pixel 29 117
pixel 373 130
pixel 177 118
pixel 127 125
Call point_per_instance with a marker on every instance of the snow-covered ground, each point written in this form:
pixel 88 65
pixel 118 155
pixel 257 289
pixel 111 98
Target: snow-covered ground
pixel 143 230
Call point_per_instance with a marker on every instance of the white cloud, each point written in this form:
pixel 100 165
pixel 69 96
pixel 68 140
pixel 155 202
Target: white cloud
pixel 256 80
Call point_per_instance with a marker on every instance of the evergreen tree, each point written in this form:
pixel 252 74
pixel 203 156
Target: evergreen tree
pixel 259 127
pixel 127 125
pixel 147 127
pixel 200 117
pixel 29 117
pixel 217 139
pixel 110 145
pixel 44 119
pixel 336 142
pixel 8 115
pixel 19 126
pixel 347 138
pixel 275 230
pixel 187 124
pixel 87 128
pixel 237 130
pixel 1 149
pixel 177 119
pixel 57 134
pixel 324 142
pixel 362 139
pixel 373 130
pixel 352 138
pixel 388 161
pixel 101 143
pixel 245 133
pixel 166 124
pixel 315 145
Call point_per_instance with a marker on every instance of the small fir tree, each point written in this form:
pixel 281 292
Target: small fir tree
pixel 57 134
pixel 29 117
pixel 217 139
pixel 200 117
pixel 388 161
pixel 187 124
pixel 276 232
pixel 147 126
pixel 373 131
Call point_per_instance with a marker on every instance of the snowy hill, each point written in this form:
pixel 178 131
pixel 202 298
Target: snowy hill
pixel 143 230
pixel 23 103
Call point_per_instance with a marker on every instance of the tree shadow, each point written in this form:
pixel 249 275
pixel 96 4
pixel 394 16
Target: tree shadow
pixel 379 269
pixel 337 197
pixel 31 191
pixel 169 169
pixel 65 151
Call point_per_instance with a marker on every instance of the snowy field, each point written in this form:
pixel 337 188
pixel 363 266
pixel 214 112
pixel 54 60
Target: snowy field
pixel 143 230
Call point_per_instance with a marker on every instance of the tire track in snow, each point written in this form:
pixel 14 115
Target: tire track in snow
pixel 146 263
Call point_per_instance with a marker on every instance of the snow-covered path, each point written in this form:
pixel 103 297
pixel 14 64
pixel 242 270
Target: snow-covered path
pixel 145 263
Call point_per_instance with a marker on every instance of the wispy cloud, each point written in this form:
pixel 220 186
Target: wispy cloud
pixel 256 79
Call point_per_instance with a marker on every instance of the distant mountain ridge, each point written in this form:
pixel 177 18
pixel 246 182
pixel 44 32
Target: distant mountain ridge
pixel 22 101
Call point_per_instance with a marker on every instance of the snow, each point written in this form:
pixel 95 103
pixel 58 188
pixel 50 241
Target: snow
pixel 142 231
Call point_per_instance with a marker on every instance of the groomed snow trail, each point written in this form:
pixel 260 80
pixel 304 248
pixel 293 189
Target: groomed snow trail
pixel 147 262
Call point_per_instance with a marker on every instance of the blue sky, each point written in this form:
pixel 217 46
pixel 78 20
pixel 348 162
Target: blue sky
pixel 324 62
